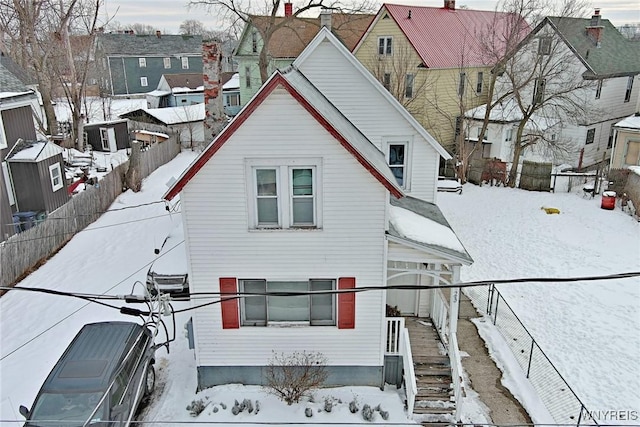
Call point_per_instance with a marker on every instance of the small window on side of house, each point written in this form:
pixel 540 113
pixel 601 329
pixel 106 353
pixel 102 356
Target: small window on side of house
pixel 538 91
pixel 627 94
pixel 461 82
pixel 408 85
pixel 509 135
pixel 632 155
pixel 484 137
pixel 142 62
pixel 599 89
pixel 385 46
pixel 55 174
pixel 397 158
pixel 104 138
pixel 144 82
pixel 167 62
pixel 479 84
pixel 185 62
pixel 386 81
pixel 247 76
pixel 544 45
pixel 612 134
pixel 591 133
pixel 254 42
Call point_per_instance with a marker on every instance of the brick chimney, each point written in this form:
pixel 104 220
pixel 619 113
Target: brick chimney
pixel 325 18
pixel 214 117
pixel 288 9
pixel 158 34
pixel 450 4
pixel 595 28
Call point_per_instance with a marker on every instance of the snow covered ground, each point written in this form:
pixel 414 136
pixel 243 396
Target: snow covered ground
pixel 590 330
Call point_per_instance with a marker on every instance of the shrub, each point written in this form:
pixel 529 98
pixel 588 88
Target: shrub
pixel 196 407
pixel 328 404
pixel 308 412
pixel 367 413
pixel 292 376
pixel 353 406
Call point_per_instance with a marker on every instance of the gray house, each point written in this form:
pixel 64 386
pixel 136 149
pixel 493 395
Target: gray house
pixel 16 121
pixel 134 63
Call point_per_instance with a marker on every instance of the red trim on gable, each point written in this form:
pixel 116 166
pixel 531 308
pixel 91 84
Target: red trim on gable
pixel 270 86
pixel 347 303
pixel 229 307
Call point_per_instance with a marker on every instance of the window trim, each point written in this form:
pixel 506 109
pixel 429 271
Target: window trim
pixel 480 82
pixel 599 89
pixel 407 142
pixel 591 136
pixel 385 46
pixel 538 90
pixel 627 94
pixel 254 42
pixel 144 82
pixel 166 61
pixel 247 76
pixel 409 83
pixel 283 166
pixel 55 174
pixel 386 81
pixel 509 135
pixel 185 62
pixel 142 62
pixel 544 45
pixel 104 138
pixel 266 322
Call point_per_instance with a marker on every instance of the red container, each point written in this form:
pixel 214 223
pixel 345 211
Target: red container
pixel 608 200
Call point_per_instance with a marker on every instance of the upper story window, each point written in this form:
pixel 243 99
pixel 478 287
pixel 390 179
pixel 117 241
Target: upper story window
pixel 247 76
pixel 385 45
pixel 313 310
pixel 484 138
pixel 144 82
pixel 509 135
pixel 461 82
pixel 591 133
pixel 254 42
pixel 599 89
pixel 398 160
pixel 55 174
pixel 479 83
pixel 627 94
pixel 408 85
pixel 185 62
pixel 284 195
pixel 612 134
pixel 142 62
pixel 538 91
pixel 167 62
pixel 386 81
pixel 544 45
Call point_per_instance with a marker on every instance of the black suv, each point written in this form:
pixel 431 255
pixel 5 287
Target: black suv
pixel 100 380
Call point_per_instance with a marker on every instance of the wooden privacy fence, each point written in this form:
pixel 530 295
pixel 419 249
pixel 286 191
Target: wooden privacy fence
pixel 22 252
pixel 535 176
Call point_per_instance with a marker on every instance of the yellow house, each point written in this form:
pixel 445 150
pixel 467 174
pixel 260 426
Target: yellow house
pixel 626 148
pixel 433 61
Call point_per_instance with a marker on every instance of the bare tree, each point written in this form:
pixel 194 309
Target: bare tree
pixel 244 12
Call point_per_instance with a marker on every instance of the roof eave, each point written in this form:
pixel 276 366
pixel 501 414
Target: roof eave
pixel 432 249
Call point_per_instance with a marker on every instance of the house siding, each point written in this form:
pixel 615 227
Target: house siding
pixel 372 114
pixel 32 185
pixel 623 137
pixel 18 123
pixel 94 139
pixel 221 244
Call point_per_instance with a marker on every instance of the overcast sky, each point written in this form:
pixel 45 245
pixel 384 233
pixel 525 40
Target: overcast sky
pixel 166 15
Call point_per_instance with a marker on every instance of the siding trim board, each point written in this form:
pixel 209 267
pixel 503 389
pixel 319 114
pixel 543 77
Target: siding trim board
pixel 277 80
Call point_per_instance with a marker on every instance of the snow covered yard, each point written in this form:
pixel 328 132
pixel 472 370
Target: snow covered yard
pixel 589 330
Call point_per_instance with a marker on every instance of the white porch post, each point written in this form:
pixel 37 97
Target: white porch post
pixel 454 303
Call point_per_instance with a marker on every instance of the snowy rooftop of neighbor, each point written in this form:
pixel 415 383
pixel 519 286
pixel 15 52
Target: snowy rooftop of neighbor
pixel 187 89
pixel 174 115
pixel 233 83
pixel 632 122
pixel 148 132
pixel 29 151
pixel 14 94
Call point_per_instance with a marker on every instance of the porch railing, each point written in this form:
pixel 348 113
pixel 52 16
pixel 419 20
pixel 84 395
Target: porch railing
pixel 398 343
pixel 456 374
pixel 440 314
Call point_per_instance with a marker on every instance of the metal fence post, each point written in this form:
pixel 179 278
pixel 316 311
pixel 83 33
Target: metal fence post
pixel 530 357
pixel 495 314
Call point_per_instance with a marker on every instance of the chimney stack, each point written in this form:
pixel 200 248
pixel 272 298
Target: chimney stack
pixel 288 9
pixel 595 28
pixel 325 18
pixel 450 4
pixel 158 34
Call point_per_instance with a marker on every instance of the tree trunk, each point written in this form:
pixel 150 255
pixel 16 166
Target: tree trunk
pixel 517 152
pixel 263 63
pixel 51 125
pixel 132 179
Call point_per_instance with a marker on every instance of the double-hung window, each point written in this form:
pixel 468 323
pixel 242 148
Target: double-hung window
pixel 479 83
pixel 591 133
pixel 185 62
pixel 398 160
pixel 269 303
pixel 385 46
pixel 167 62
pixel 284 195
pixel 544 45
pixel 104 138
pixel 142 62
pixel 627 93
pixel 408 85
pixel 55 173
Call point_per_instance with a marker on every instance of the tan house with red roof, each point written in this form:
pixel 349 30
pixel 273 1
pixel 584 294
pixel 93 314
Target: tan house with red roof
pixel 431 59
pixel 289 41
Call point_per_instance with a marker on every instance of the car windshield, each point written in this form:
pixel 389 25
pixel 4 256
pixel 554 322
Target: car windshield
pixel 66 409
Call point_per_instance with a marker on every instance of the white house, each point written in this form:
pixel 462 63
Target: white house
pixel 589 50
pixel 323 182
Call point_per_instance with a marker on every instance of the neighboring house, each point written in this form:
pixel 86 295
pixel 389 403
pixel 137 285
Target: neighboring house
pixel 626 143
pixel 37 176
pixel 134 63
pixel 107 136
pixel 231 95
pixel 431 59
pixel 323 182
pixel 175 90
pixel 186 121
pixel 17 104
pixel 288 41
pixel 591 49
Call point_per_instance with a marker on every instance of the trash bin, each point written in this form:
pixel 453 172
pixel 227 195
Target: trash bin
pixel 27 219
pixel 608 200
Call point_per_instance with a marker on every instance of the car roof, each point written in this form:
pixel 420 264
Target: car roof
pixel 93 357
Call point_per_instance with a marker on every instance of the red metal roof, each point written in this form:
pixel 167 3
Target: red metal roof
pixel 443 37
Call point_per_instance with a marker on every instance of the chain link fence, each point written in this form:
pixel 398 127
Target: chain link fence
pixel 553 390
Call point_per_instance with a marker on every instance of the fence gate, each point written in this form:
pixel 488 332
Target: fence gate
pixel 535 176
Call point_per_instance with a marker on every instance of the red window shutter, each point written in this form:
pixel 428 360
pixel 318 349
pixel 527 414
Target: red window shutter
pixel 229 307
pixel 347 304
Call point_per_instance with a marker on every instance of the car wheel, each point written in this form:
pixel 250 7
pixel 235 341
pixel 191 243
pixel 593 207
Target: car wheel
pixel 150 381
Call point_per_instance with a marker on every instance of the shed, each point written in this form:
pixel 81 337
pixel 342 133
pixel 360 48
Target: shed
pixel 108 136
pixel 36 170
pixel 148 137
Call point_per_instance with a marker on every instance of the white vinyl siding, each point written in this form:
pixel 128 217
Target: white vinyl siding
pixel 372 114
pixel 221 242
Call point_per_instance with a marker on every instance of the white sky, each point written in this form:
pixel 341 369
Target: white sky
pixel 166 15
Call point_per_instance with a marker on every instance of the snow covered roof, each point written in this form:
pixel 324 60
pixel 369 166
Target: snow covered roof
pixel 503 112
pixel 158 93
pixel 172 115
pixel 148 132
pixel 631 122
pixel 422 223
pixel 184 89
pixel 233 83
pixel 32 151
